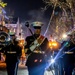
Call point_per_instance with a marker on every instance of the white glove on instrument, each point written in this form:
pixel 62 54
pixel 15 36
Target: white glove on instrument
pixel 33 47
pixel 35 42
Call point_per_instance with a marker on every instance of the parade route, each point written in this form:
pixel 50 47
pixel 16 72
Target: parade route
pixel 22 72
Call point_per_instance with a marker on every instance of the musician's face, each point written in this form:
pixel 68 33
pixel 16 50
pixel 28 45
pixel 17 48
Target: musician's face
pixel 37 31
pixel 12 37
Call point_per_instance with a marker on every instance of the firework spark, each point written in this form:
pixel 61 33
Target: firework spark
pixel 56 3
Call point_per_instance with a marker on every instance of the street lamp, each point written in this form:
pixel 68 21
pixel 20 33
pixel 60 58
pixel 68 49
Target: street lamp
pixel 64 35
pixel 54 45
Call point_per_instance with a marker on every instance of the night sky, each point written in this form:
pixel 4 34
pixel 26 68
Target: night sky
pixel 27 9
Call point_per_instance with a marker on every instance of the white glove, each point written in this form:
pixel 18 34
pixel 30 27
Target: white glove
pixel 35 42
pixel 32 48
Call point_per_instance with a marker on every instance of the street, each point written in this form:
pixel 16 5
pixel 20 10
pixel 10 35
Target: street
pixel 22 72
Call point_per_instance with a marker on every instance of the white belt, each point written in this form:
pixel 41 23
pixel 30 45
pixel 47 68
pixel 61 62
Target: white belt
pixel 11 52
pixel 68 52
pixel 42 52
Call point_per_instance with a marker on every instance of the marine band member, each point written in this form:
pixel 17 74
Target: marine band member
pixel 13 52
pixel 37 50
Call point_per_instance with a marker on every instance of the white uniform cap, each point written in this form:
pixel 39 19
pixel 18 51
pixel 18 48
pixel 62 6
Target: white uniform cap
pixel 37 24
pixel 11 33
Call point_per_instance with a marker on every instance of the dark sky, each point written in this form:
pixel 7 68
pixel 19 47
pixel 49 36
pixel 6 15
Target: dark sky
pixel 27 9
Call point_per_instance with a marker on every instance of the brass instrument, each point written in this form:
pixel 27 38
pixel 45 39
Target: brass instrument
pixel 4 35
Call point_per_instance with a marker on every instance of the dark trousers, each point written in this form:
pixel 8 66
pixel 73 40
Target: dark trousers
pixel 38 70
pixel 0 56
pixel 68 69
pixel 12 68
pixel 58 67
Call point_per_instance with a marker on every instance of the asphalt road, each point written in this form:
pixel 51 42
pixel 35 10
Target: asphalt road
pixel 22 72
